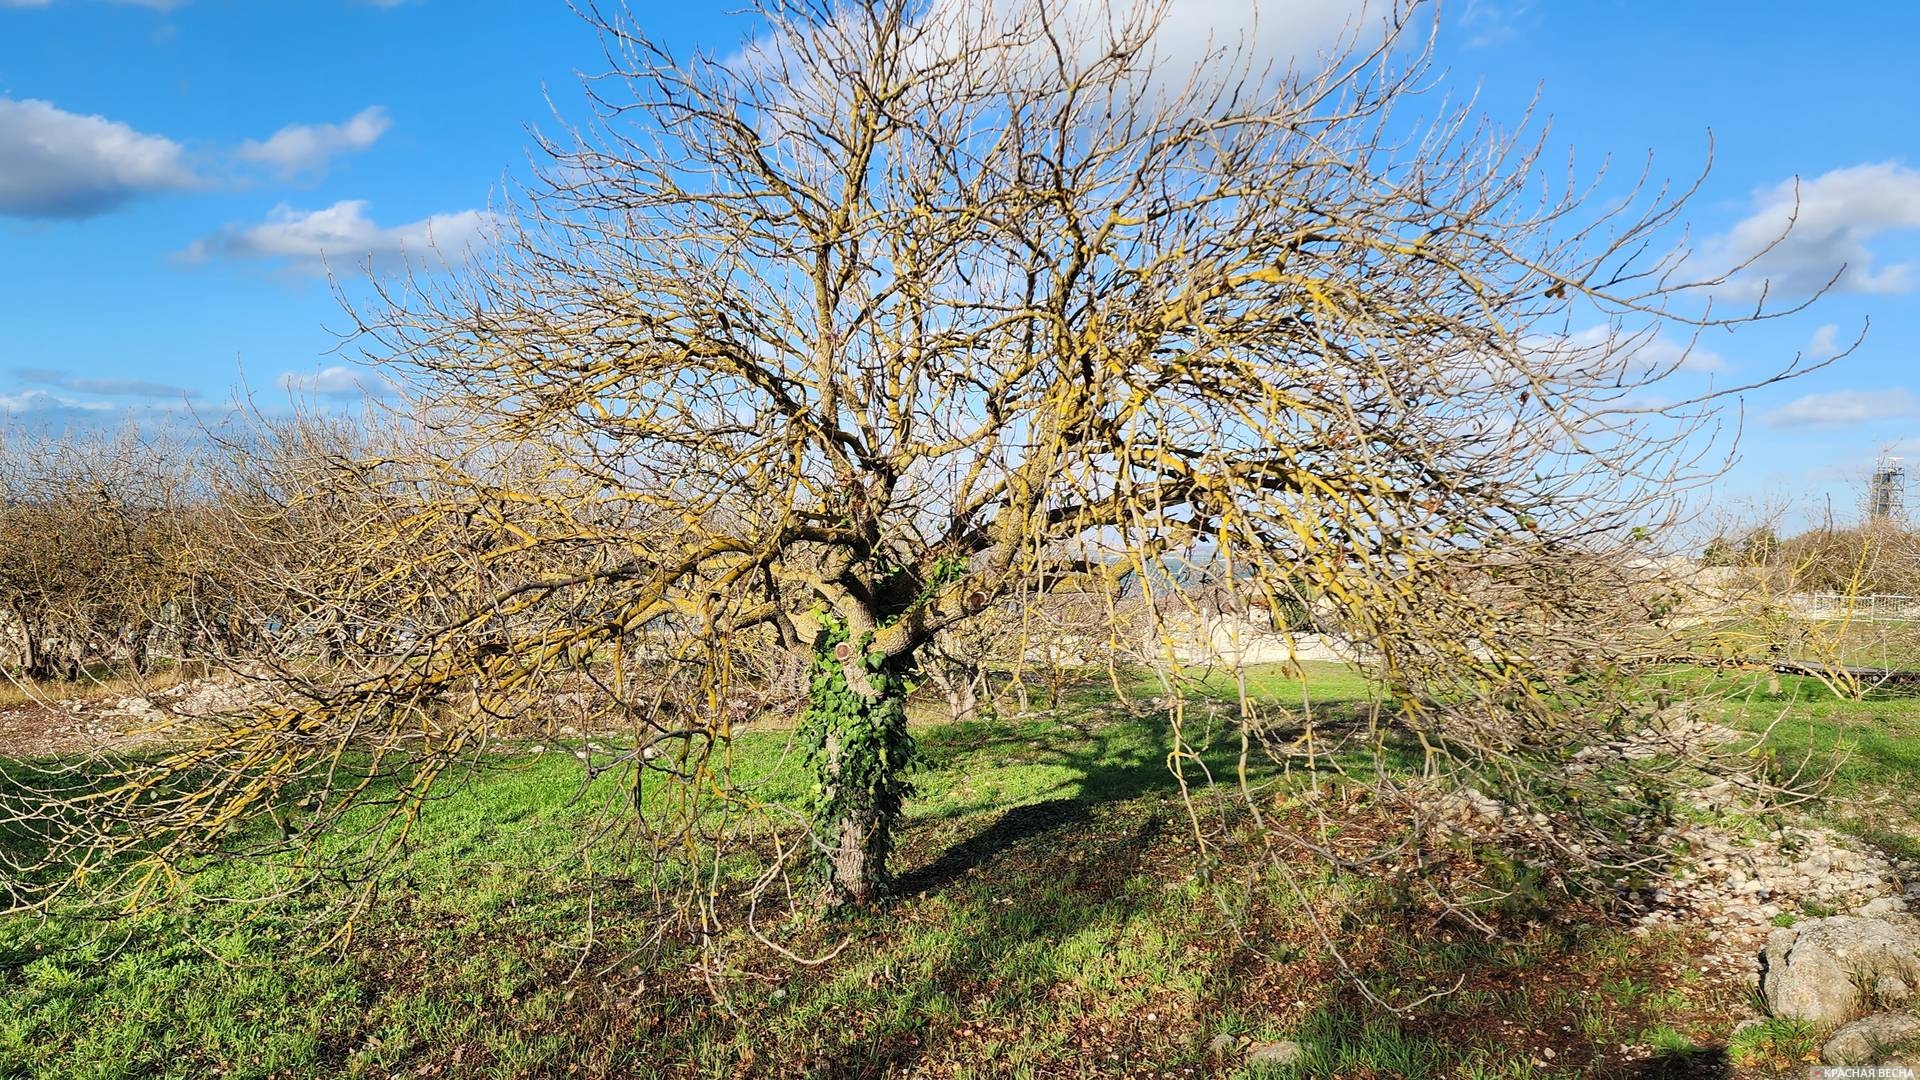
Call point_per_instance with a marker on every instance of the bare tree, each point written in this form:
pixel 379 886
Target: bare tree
pixel 94 546
pixel 910 311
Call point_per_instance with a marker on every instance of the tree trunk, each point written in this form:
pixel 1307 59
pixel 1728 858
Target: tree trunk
pixel 30 654
pixel 956 680
pixel 858 866
pixel 963 702
pixel 45 664
pixel 49 657
pixel 137 650
pixel 862 754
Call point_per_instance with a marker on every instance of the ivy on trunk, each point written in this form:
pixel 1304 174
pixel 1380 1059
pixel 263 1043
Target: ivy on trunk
pixel 856 730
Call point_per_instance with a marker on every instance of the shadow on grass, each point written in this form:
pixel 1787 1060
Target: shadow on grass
pixel 1109 759
pixel 1703 1063
pixel 1121 759
pixel 1019 824
pixel 1060 868
pixel 1064 863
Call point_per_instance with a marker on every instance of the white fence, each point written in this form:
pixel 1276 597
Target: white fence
pixel 1879 607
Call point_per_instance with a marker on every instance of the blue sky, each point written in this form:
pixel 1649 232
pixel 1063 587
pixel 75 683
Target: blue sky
pixel 169 170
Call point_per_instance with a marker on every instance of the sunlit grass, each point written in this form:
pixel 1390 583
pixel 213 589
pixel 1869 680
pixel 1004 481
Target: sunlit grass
pixel 1055 922
pixel 17 691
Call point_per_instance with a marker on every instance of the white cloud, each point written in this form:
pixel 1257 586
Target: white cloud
pixel 1824 343
pixel 1278 30
pixel 40 401
pixel 41 413
pixel 335 381
pixel 1492 22
pixel 1222 38
pixel 306 149
pixel 1835 218
pixel 1272 30
pixel 1643 351
pixel 1847 407
pixel 1663 352
pixel 343 235
pixel 64 165
pixel 105 387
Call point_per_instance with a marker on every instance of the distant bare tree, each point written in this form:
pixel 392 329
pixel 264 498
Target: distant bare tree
pixel 94 546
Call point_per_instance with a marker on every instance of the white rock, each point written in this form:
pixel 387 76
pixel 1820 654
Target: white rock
pixel 1815 970
pixel 1866 1042
pixel 1885 905
pixel 1284 1052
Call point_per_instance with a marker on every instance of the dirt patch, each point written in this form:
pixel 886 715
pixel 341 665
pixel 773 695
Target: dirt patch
pixel 96 719
pixel 38 731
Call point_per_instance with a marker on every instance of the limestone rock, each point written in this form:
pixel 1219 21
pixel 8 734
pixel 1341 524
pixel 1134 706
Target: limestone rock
pixel 1284 1052
pixel 1883 905
pixel 1224 1045
pixel 1816 970
pixel 1870 1041
pixel 1892 990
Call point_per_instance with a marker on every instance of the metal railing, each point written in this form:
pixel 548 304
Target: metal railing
pixel 1872 607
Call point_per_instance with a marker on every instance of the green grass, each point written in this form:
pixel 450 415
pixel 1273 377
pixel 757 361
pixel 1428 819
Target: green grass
pixel 1856 642
pixel 1862 756
pixel 1056 922
pixel 1775 1041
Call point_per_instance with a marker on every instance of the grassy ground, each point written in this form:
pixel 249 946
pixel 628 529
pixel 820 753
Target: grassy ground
pixel 17 691
pixel 1856 642
pixel 1054 921
pixel 1870 747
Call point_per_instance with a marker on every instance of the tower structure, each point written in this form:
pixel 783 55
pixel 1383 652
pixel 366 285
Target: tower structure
pixel 1887 492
